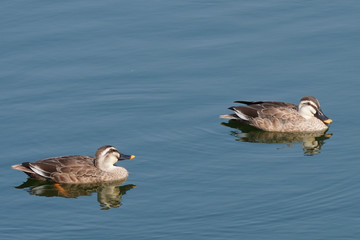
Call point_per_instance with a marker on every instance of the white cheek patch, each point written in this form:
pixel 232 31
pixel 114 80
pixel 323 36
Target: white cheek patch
pixel 307 110
pixel 114 157
pixel 312 110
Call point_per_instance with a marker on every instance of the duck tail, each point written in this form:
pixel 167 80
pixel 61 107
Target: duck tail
pixel 23 167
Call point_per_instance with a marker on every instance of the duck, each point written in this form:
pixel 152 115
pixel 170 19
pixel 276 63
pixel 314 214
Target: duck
pixel 276 116
pixel 79 169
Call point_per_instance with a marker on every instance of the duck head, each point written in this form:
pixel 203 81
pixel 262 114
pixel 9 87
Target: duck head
pixel 106 156
pixel 309 107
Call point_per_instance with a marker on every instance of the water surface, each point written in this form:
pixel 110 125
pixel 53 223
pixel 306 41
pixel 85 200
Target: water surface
pixel 151 78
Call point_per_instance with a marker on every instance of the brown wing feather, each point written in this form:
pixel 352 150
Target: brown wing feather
pixel 246 110
pixel 274 118
pixel 268 104
pixel 263 109
pixel 266 115
pixel 68 167
pixel 276 112
pixel 76 170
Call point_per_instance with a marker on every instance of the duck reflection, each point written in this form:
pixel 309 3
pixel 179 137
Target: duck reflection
pixel 311 141
pixel 109 194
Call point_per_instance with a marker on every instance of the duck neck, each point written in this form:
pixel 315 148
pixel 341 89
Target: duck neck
pixel 106 164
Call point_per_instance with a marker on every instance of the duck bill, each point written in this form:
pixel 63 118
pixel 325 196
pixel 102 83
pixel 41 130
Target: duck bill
pixel 320 115
pixel 126 157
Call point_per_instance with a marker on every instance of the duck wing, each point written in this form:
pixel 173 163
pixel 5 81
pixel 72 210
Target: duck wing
pixel 63 166
pixel 268 104
pixel 254 109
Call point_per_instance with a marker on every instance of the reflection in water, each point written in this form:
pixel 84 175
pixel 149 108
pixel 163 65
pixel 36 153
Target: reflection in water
pixel 311 141
pixel 109 194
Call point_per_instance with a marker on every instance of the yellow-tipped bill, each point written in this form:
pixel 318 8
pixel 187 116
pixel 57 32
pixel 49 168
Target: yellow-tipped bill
pixel 126 157
pixel 320 115
pixel 328 121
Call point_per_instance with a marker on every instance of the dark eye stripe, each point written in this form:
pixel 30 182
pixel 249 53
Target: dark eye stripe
pixel 111 150
pixel 314 106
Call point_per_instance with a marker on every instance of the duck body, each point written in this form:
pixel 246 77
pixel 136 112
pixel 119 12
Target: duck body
pixel 281 116
pixel 79 169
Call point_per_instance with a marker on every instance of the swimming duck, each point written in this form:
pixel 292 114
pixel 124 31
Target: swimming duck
pixel 282 117
pixel 79 169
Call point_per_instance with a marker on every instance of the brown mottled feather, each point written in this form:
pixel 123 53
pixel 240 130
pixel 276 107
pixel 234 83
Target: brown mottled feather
pixel 276 116
pixel 74 169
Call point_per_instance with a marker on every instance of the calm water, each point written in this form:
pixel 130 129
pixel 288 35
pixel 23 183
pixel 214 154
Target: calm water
pixel 151 78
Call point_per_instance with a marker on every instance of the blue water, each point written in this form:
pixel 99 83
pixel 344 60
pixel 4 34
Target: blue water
pixel 152 78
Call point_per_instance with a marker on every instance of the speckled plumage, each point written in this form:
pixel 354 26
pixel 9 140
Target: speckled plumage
pixel 78 169
pixel 282 117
